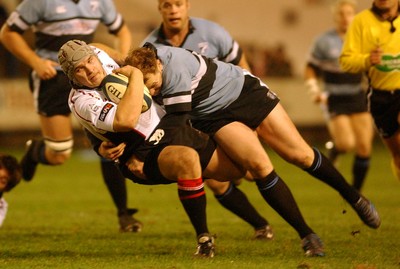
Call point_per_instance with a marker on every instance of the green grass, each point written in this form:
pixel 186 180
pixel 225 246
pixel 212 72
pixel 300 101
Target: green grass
pixel 64 218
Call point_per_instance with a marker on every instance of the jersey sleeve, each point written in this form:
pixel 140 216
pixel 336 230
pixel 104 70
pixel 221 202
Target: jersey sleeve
pixel 92 112
pixel 229 50
pixel 352 58
pixel 111 17
pixel 26 14
pixel 177 82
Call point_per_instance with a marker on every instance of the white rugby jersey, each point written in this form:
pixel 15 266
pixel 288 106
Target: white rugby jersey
pixel 206 38
pixel 92 109
pixel 54 22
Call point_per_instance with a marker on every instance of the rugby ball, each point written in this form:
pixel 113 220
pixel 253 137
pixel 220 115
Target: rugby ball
pixel 114 86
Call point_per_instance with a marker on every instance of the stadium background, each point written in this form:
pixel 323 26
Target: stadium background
pixel 276 36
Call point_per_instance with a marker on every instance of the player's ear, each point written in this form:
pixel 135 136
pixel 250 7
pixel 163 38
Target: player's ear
pixel 159 65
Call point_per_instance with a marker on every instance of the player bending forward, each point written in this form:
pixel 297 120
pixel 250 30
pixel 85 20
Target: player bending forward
pixel 173 152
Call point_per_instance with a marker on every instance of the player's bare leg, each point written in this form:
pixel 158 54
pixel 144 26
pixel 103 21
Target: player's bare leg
pixel 292 147
pixel 53 149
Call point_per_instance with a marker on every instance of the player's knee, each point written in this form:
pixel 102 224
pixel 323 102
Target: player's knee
pixel 218 188
pixel 345 146
pixel 301 158
pixel 258 168
pixel 58 151
pixel 188 157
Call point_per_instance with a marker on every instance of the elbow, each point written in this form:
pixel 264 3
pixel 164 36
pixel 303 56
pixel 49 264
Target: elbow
pixel 124 124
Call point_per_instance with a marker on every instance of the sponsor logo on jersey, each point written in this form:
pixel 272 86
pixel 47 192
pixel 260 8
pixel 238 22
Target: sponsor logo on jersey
pixel 157 136
pixel 105 110
pixel 389 63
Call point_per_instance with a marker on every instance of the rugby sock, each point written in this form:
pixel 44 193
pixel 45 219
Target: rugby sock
pixel 333 154
pixel 236 201
pixel 280 198
pixel 360 169
pixel 116 185
pixel 193 198
pixel 324 170
pixel 37 153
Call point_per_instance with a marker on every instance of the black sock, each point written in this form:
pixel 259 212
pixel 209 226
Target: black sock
pixel 236 201
pixel 360 169
pixel 38 152
pixel 116 185
pixel 193 198
pixel 279 197
pixel 333 154
pixel 324 170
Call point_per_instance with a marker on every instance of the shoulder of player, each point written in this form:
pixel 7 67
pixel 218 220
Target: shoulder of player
pixel 211 31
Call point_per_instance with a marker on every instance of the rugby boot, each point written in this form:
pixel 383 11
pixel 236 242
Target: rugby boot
pixel 367 212
pixel 127 223
pixel 263 233
pixel 312 246
pixel 205 246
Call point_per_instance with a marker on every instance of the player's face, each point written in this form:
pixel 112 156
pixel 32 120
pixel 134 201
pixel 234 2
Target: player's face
pixel 386 5
pixel 4 178
pixel 175 14
pixel 344 14
pixel 153 81
pixel 89 72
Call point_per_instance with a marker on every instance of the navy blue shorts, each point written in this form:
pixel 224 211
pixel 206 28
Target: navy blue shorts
pixel 385 108
pixel 180 134
pixel 52 95
pixel 252 106
pixel 347 104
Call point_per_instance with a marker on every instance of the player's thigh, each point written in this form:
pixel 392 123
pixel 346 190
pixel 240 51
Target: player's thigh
pixel 222 168
pixel 342 133
pixel 177 162
pixel 279 132
pixel 363 132
pixel 57 128
pixel 241 144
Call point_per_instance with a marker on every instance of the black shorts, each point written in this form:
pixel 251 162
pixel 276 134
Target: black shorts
pixel 253 105
pixel 385 108
pixel 51 96
pixel 347 104
pixel 168 135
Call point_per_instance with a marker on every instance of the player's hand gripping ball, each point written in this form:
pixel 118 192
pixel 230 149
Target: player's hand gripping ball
pixel 114 87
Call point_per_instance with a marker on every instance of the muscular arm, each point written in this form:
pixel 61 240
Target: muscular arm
pixel 16 44
pixel 124 40
pixel 130 106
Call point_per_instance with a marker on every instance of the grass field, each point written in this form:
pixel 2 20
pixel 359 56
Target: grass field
pixel 64 218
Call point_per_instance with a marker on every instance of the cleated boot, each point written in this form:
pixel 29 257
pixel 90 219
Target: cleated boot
pixel 367 212
pixel 127 223
pixel 312 246
pixel 205 246
pixel 263 233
